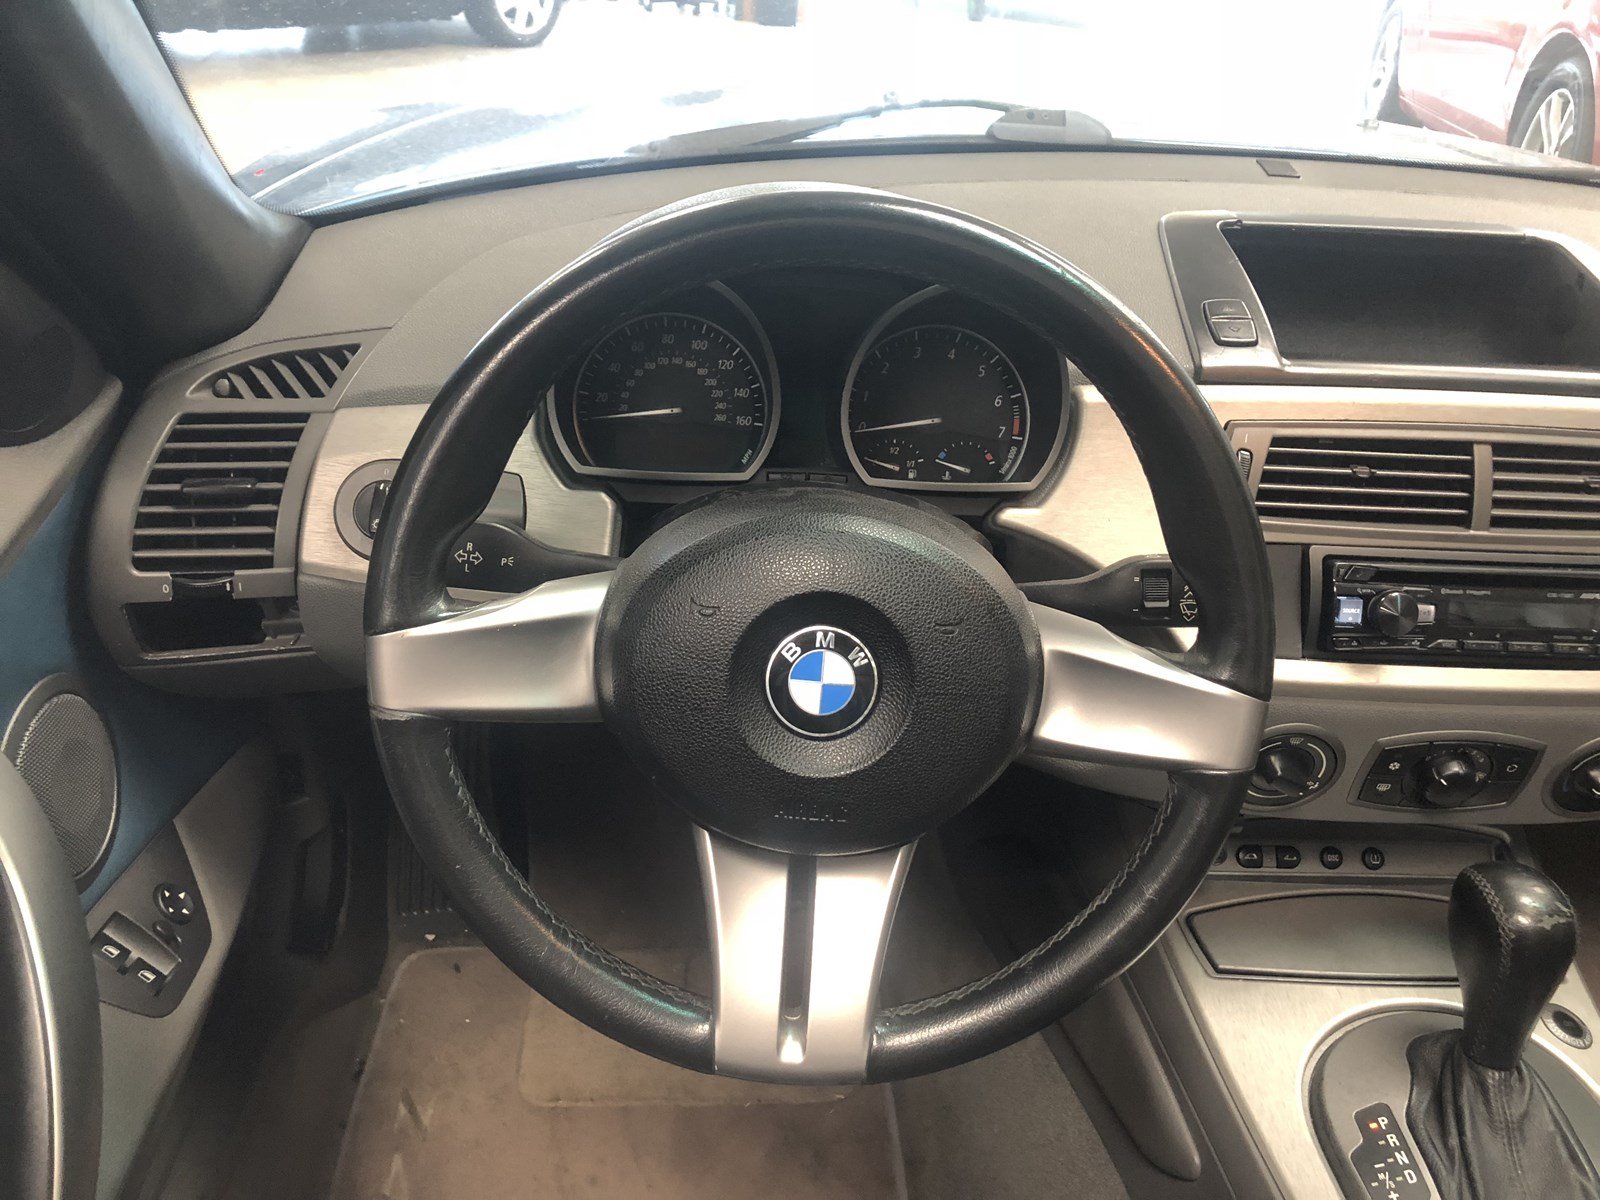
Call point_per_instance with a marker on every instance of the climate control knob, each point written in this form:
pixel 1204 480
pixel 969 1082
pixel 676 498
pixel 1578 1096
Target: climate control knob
pixel 1393 614
pixel 1577 788
pixel 1290 767
pixel 1284 769
pixel 1452 778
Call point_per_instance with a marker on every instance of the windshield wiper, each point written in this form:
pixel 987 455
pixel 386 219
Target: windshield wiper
pixel 1016 123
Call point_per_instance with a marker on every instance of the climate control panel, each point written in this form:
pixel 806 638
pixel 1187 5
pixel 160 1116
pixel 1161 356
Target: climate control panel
pixel 1438 771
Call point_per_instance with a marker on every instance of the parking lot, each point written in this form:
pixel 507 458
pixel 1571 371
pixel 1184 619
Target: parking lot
pixel 1183 70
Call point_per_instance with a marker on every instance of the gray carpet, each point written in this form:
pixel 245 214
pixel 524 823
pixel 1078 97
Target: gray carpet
pixel 478 1088
pixel 1006 1127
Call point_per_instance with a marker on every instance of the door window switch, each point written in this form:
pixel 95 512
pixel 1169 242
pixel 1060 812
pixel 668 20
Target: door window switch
pixel 108 949
pixel 141 947
pixel 152 979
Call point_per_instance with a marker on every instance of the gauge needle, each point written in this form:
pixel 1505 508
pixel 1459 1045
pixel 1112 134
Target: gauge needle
pixel 954 466
pixel 900 425
pixel 878 462
pixel 643 412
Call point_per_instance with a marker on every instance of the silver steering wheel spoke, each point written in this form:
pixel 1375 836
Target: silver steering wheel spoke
pixel 529 657
pixel 799 944
pixel 1106 700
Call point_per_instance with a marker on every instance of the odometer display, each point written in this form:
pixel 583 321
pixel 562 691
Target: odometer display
pixel 936 405
pixel 670 394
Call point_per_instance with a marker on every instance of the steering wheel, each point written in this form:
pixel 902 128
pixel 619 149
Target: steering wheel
pixel 818 676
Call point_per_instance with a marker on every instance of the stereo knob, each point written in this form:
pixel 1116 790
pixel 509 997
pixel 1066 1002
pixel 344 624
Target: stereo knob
pixel 1454 777
pixel 1393 614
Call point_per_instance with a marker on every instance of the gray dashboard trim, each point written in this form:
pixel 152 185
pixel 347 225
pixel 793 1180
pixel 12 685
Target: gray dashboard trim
pixel 570 518
pixel 1100 507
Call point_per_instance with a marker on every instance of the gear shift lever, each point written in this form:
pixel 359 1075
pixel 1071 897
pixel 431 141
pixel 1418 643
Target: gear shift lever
pixel 1513 936
pixel 1485 1123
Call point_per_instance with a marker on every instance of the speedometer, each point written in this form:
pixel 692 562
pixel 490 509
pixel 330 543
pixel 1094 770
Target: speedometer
pixel 936 405
pixel 670 393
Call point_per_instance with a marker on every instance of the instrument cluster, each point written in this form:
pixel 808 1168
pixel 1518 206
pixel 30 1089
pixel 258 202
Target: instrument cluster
pixel 863 380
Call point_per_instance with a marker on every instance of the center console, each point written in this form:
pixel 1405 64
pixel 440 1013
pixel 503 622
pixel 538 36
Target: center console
pixel 1308 985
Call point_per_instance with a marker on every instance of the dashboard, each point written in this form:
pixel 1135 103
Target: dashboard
pixel 1457 452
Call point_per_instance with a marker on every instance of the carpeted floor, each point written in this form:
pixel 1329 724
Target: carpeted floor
pixel 478 1088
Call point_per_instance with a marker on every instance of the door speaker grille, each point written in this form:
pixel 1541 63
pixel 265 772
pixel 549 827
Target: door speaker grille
pixel 63 751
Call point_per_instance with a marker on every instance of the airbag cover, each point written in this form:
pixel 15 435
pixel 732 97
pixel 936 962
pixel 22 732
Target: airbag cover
pixel 699 616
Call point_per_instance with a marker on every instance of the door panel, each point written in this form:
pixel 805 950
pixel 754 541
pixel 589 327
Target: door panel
pixel 95 766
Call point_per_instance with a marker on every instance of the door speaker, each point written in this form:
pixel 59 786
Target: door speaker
pixel 63 751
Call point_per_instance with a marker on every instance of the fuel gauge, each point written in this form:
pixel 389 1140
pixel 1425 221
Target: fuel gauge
pixel 891 457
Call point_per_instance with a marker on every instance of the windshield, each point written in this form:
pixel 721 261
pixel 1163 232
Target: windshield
pixel 322 104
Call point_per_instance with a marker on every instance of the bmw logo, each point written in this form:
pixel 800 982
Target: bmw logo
pixel 821 681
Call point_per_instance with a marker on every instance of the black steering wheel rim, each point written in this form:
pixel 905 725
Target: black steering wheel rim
pixel 1205 515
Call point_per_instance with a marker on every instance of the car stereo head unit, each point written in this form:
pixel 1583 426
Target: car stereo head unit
pixel 1405 611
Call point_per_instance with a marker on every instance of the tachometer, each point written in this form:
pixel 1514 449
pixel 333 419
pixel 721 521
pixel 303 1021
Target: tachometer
pixel 935 405
pixel 670 394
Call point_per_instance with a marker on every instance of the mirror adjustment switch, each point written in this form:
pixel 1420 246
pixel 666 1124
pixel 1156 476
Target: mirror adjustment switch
pixel 176 903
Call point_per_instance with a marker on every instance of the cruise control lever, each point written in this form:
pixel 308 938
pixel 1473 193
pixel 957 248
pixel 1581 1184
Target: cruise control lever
pixel 491 557
pixel 1146 590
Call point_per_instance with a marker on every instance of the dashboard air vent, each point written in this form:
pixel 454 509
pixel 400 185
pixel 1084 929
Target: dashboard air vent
pixel 307 374
pixel 1541 485
pixel 210 504
pixel 1367 480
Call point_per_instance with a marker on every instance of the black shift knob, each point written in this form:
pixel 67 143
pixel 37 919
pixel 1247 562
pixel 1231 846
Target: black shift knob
pixel 1513 936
